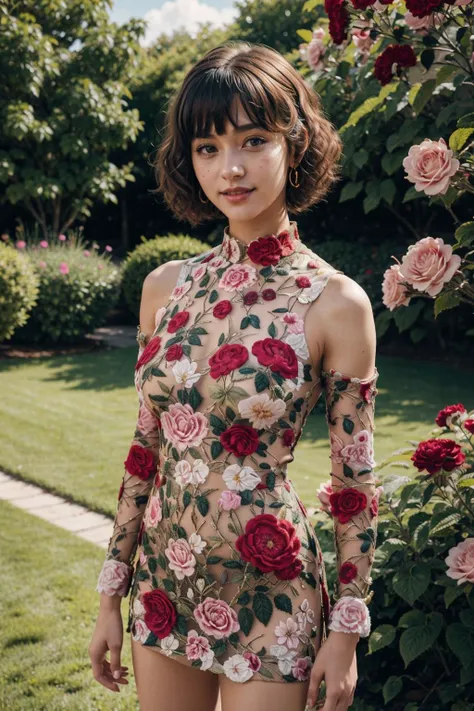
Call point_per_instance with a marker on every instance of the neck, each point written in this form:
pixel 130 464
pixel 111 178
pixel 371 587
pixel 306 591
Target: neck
pixel 261 225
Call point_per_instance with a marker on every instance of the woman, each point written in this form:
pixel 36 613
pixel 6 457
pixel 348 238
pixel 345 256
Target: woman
pixel 236 345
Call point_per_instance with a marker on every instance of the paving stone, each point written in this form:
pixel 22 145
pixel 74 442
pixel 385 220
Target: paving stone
pixel 19 490
pixel 98 535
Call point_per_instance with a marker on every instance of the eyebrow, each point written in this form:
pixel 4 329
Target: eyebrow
pixel 238 129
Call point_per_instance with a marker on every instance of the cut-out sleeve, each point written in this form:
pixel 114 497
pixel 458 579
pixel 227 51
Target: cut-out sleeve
pixel 141 469
pixel 353 496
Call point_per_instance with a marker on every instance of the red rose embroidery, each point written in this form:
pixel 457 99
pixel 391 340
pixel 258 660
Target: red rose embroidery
pixel 347 503
pixel 241 440
pixel 277 355
pixel 222 308
pixel 266 251
pixel 160 613
pixel 286 243
pixel 365 391
pixel 178 321
pixel 140 462
pixel 469 425
pixel 303 282
pixel 174 352
pixel 288 437
pixel 442 416
pixel 422 8
pixel 268 294
pixel 374 507
pixel 227 358
pixel 347 572
pixel 291 571
pixel 400 55
pixel 150 351
pixel 435 455
pixel 250 298
pixel 271 545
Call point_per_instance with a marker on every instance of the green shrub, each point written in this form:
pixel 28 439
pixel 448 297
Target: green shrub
pixel 77 288
pixel 18 290
pixel 150 255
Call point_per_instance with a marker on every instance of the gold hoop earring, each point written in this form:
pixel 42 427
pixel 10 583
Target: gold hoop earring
pixel 296 183
pixel 201 197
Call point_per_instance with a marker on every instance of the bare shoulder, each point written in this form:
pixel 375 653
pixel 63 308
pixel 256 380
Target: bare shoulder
pixel 346 329
pixel 156 290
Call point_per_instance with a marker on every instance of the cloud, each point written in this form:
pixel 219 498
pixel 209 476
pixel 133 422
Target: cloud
pixel 184 14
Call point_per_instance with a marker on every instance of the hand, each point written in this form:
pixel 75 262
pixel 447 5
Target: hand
pixel 340 677
pixel 108 636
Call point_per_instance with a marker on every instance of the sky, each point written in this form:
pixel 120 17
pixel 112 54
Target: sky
pixel 169 15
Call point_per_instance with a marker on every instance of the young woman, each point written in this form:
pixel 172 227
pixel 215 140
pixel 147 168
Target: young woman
pixel 228 590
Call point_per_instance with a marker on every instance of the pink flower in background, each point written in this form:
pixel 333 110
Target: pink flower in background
pixel 100 266
pixel 95 245
pixel 86 253
pixel 316 50
pixel 42 265
pixel 229 500
pixel 431 166
pixel 323 493
pixel 429 264
pixel 21 244
pixel 460 562
pixel 108 248
pixel 43 244
pixel 62 238
pixel 423 25
pixel 362 40
pixel 63 268
pixel 394 293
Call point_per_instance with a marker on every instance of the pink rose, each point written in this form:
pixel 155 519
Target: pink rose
pixel 460 562
pixel 431 166
pixel 294 322
pixel 229 500
pixel 359 455
pixel 63 268
pixel 196 646
pixel 394 293
pixel 350 614
pixel 181 557
pixel 179 291
pixel 253 660
pixel 199 272
pixel 323 493
pixel 429 264
pixel 216 263
pixel 183 427
pixel 238 276
pixel 422 24
pixel 230 249
pixel 113 578
pixel 147 422
pixel 362 40
pixel 316 51
pixel 21 244
pixel 216 617
pixel 154 512
pixel 159 315
pixel 140 631
pixel 301 668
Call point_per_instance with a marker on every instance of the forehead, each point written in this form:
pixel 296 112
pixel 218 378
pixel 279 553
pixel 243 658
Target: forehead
pixel 243 122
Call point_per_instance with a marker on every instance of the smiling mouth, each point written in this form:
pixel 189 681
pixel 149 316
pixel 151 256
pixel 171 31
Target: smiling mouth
pixel 237 192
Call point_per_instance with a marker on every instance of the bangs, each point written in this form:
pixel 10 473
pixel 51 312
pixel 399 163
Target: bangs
pixel 209 103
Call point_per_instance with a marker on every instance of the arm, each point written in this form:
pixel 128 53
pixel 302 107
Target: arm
pixel 140 466
pixel 349 379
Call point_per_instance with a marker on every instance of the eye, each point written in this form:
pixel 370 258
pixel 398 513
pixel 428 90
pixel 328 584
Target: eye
pixel 200 149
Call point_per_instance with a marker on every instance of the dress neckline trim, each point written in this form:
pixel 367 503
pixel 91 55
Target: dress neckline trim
pixel 265 250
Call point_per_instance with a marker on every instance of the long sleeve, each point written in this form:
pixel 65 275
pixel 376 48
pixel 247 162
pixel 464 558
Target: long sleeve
pixel 352 495
pixel 139 476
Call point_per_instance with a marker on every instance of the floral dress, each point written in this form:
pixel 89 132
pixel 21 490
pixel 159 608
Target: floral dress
pixel 210 538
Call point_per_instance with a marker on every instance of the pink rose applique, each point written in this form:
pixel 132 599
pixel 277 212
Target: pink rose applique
pixel 181 557
pixel 217 618
pixel 179 291
pixel 238 276
pixel 229 500
pixel 113 578
pixel 359 455
pixel 154 512
pixel 323 493
pixel 431 166
pixel 301 668
pixel 460 562
pixel 183 427
pixel 429 264
pixel 350 614
pixel 199 648
pixel 147 422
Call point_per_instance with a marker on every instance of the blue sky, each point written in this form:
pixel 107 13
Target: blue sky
pixel 168 15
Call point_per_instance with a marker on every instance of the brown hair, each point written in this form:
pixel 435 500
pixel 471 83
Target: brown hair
pixel 275 96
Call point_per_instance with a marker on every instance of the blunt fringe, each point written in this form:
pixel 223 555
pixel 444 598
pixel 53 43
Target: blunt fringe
pixel 275 96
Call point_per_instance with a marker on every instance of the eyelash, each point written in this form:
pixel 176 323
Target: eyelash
pixel 250 138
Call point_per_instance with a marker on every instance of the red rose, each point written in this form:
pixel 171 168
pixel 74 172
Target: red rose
pixel 288 437
pixel 268 294
pixel 339 19
pixel 374 507
pixel 277 355
pixel 227 358
pixel 365 391
pixel 469 425
pixel 178 321
pixel 303 282
pixel 241 440
pixel 435 455
pixel 222 308
pixel 266 251
pixel 442 416
pixel 270 544
pixel 174 352
pixel 347 572
pixel 347 503
pixel 400 54
pixel 286 243
pixel 362 4
pixel 160 613
pixel 291 571
pixel 150 351
pixel 122 487
pixel 140 462
pixel 422 8
pixel 250 298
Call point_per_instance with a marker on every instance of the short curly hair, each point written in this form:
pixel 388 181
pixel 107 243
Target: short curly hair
pixel 275 96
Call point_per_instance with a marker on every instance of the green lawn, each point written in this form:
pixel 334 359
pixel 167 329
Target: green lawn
pixel 48 608
pixel 66 422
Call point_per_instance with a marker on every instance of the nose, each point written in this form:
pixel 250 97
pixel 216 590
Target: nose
pixel 232 167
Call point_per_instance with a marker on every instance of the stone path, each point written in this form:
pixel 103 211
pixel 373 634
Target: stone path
pixel 91 526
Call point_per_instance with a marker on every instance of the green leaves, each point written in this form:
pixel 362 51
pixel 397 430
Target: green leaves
pixel 246 618
pixel 418 638
pixel 381 637
pixel 283 602
pixel 412 580
pixel 262 607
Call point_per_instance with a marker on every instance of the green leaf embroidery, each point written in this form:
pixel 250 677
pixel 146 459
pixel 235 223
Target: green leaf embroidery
pixel 283 602
pixel 245 620
pixel 261 381
pixel 262 607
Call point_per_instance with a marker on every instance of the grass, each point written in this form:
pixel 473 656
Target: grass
pixel 66 422
pixel 48 607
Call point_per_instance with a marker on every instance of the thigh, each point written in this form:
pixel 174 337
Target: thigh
pixel 263 695
pixel 164 684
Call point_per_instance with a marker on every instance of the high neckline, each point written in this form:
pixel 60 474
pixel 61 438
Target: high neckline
pixel 264 250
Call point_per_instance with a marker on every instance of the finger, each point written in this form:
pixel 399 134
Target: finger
pixel 331 702
pixel 109 676
pixel 314 684
pixel 343 703
pixel 123 669
pixel 115 661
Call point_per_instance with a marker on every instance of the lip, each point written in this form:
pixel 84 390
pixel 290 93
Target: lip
pixel 238 196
